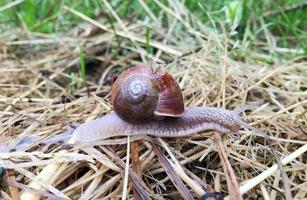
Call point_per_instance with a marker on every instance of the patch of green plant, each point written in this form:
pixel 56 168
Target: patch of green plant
pixel 110 20
pixel 246 16
pixel 73 82
pixel 82 67
pixel 44 16
pixel 148 47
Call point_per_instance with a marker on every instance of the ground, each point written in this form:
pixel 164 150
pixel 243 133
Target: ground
pixel 59 61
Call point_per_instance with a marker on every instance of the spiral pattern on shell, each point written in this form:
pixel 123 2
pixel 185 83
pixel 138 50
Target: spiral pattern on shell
pixel 137 98
pixel 140 93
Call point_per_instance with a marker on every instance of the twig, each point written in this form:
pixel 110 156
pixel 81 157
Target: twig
pixel 136 181
pixel 9 179
pixel 171 173
pixel 261 177
pixel 46 174
pixel 180 171
pixel 125 186
pixel 232 184
pixel 284 178
pixel 136 167
pixel 40 192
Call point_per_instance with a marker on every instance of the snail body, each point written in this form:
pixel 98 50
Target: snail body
pixel 140 96
pixel 192 120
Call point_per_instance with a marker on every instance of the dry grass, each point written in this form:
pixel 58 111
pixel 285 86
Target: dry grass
pixel 36 99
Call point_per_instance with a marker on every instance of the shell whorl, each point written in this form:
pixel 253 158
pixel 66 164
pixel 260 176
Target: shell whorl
pixel 137 98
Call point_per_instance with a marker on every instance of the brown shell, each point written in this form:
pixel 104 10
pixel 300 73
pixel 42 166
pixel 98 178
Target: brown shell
pixel 140 93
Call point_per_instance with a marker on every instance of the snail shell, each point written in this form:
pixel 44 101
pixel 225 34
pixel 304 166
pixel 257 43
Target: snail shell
pixel 142 93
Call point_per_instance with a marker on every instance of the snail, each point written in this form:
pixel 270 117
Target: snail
pixel 149 102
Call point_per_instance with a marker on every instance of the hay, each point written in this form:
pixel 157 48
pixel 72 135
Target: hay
pixel 36 99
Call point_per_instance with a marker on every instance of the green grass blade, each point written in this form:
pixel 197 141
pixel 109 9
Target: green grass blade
pixel 82 67
pixel 148 49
